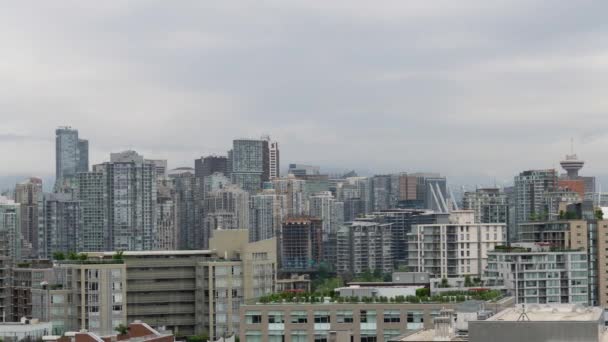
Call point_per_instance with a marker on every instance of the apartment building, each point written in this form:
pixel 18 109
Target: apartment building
pixel 23 277
pixel 243 272
pixel 84 294
pixel 161 287
pixel 538 275
pixel 455 249
pixel 364 246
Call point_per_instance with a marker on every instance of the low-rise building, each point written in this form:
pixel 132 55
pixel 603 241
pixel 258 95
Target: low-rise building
pixel 24 330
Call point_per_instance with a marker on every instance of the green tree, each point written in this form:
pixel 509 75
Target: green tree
pixel 599 214
pixel 72 256
pixel 423 292
pixel 58 256
pixel 117 255
pixel 467 281
pixel 444 282
pixel 121 329
pixel 83 257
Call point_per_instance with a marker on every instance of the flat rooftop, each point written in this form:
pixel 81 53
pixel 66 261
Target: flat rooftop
pixel 152 253
pixel 550 313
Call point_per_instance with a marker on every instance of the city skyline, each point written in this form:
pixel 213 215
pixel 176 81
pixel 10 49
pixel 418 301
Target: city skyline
pixel 471 88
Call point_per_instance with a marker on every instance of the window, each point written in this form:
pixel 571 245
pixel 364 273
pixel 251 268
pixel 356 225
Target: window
pixel 117 298
pixel 116 286
pixel 57 299
pixel 117 308
pixel 320 336
pixel 299 336
pixel 344 316
pixel 299 317
pixel 276 317
pixel 392 316
pixel 415 317
pixel 368 316
pixel 253 317
pixel 391 333
pixel 368 336
pixel 322 317
pixel 253 336
pixel 276 336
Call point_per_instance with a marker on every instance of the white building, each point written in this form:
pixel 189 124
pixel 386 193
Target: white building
pixel 454 249
pixel 10 229
pixel 266 213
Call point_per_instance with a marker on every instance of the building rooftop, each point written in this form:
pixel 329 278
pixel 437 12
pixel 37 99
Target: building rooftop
pixel 152 253
pixel 549 313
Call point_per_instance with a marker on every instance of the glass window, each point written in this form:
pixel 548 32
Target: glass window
pixel 320 336
pixel 253 336
pixel 253 317
pixel 299 317
pixel 415 317
pixel 276 317
pixel 344 316
pixel 368 336
pixel 368 316
pixel 276 336
pixel 322 317
pixel 299 336
pixel 391 333
pixel 392 316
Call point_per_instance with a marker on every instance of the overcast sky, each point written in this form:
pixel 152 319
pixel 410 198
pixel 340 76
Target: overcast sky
pixel 466 88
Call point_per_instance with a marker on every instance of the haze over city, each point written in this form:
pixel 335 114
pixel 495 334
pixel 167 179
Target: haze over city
pixel 474 89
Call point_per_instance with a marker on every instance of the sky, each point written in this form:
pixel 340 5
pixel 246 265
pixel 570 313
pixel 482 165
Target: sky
pixel 477 90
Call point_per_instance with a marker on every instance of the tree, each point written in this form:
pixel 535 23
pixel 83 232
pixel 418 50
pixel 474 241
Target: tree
pixel 117 255
pixel 423 292
pixel 72 256
pixel 599 214
pixel 83 257
pixel 467 281
pixel 444 282
pixel 122 329
pixel 58 256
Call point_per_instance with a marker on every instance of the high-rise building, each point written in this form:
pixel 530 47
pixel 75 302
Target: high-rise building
pixel 294 191
pixel 166 215
pixel 130 189
pixel 301 244
pixel 95 227
pixel 529 193
pixel 27 194
pixel 489 204
pixel 331 212
pixel 215 181
pixel 160 167
pixel 274 166
pixel 456 249
pixel 266 212
pixel 206 166
pixel 10 229
pixel 381 185
pixel 299 170
pixel 250 164
pixel 59 225
pixel 227 208
pixel 189 208
pixel 71 156
pixel 247 272
pixel 364 246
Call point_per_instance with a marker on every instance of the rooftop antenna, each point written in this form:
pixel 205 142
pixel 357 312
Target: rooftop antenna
pixel 571 145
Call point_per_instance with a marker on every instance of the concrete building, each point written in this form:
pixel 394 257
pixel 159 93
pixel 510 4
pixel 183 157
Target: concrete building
pixel 206 166
pixel 456 249
pixel 541 323
pixel 529 191
pixel 189 209
pixel 6 304
pixel 250 164
pixel 10 229
pixel 95 227
pixel 23 277
pixel 161 288
pixel 364 246
pixel 214 182
pixel 160 167
pixel 59 225
pixel 71 157
pixel 27 194
pixel 324 206
pixel 266 212
pixel 226 208
pixel 324 321
pixel 490 205
pixel 300 244
pixel 303 170
pixel 294 191
pixel 382 193
pixel 166 215
pixel 247 272
pixel 540 276
pixel 274 165
pixel 87 295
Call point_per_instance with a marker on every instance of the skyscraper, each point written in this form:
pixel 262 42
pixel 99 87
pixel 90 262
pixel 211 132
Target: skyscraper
pixel 59 225
pixel 529 193
pixel 489 204
pixel 266 213
pixel 250 164
pixel 300 244
pixel 132 195
pixel 166 215
pixel 71 156
pixel 227 208
pixel 294 191
pixel 188 203
pixel 364 246
pixel 274 166
pixel 27 194
pixel 206 166
pixel 10 229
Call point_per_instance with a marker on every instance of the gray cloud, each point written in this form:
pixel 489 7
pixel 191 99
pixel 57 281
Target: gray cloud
pixel 466 88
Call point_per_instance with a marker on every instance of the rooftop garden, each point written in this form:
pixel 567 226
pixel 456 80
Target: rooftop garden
pixel 422 297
